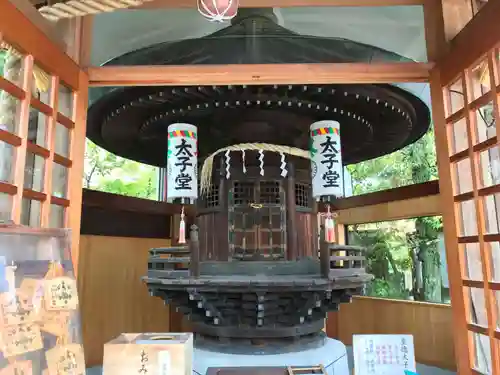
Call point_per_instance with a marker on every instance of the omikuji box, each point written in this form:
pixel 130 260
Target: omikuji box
pixel 149 354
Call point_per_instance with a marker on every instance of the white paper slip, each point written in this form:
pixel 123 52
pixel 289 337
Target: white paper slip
pixel 163 362
pixel 383 354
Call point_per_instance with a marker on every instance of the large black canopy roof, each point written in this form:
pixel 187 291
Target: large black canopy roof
pixel 375 119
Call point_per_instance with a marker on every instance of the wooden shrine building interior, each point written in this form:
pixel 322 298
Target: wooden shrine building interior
pixel 112 234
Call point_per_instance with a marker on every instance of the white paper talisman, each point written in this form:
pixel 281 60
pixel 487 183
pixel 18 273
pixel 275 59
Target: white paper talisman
pixel 61 294
pixel 326 159
pixel 182 162
pixel 383 354
pixel 164 362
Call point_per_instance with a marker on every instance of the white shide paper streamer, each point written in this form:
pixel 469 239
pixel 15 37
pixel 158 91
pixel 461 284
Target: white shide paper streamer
pixel 284 171
pixel 261 160
pixel 228 164
pixel 243 161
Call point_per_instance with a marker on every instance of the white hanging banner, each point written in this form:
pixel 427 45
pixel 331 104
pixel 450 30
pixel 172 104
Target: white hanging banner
pixel 383 354
pixel 326 159
pixel 182 162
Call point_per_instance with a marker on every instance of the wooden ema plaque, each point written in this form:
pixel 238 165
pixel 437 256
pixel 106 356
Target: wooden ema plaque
pixel 149 354
pixel 61 294
pixel 39 320
pixel 18 368
pixel 21 338
pixel 66 360
pixel 17 307
pixel 19 332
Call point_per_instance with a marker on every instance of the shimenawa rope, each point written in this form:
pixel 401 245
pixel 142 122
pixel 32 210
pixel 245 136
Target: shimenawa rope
pixel 76 8
pixel 206 170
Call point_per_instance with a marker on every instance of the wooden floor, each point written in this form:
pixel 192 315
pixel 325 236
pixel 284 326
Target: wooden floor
pixel 430 324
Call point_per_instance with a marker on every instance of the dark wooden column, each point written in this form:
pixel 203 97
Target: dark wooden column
pixel 324 254
pixel 194 250
pixel 316 222
pixel 291 215
pixel 222 245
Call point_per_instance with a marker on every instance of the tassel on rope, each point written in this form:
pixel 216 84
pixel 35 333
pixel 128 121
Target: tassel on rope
pixel 329 226
pixel 182 228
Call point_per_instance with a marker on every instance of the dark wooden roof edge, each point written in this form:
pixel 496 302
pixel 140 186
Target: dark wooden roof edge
pixel 115 202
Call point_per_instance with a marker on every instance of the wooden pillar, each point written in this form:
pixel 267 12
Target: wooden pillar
pixel 324 254
pixel 222 235
pixel 454 258
pixel 194 251
pixel 317 223
pixel 291 217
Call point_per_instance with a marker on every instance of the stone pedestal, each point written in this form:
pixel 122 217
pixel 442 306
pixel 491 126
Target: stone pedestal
pixel 305 352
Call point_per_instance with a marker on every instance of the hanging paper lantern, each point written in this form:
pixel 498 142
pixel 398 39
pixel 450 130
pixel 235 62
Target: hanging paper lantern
pixel 218 10
pixel 182 162
pixel 326 159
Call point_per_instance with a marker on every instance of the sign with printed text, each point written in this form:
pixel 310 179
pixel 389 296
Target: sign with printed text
pixel 383 354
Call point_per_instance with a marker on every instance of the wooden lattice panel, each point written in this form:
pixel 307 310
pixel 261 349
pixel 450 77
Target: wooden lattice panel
pixel 37 124
pixel 42 129
pixel 473 135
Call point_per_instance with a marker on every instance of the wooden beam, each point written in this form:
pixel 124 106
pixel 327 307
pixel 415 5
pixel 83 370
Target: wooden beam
pixel 115 202
pixel 411 193
pixel 402 193
pixel 158 4
pixel 85 40
pixel 454 253
pixel 16 28
pixel 104 222
pixel 435 41
pixel 457 13
pixel 75 173
pixel 396 210
pixel 258 74
pixel 479 36
pixel 30 12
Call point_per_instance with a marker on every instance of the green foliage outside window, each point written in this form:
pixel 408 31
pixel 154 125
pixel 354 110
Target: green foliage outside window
pixel 402 249
pixel 3 54
pixel 404 257
pixel 107 172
